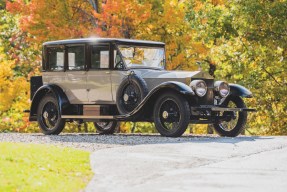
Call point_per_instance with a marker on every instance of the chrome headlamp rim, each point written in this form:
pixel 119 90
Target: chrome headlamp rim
pixel 199 87
pixel 222 88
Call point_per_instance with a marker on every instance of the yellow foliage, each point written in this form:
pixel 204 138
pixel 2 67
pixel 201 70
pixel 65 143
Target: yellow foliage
pixel 125 127
pixel 8 88
pixel 14 98
pixel 199 48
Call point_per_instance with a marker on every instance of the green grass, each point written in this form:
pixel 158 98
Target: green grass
pixel 31 167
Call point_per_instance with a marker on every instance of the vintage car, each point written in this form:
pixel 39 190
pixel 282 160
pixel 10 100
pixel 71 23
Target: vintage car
pixel 106 80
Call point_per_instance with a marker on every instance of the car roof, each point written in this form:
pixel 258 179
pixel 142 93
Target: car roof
pixel 104 40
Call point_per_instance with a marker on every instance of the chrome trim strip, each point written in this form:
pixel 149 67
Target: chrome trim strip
pixel 232 109
pixel 226 109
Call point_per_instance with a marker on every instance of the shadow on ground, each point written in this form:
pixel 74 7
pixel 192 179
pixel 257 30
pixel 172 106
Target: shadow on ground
pixel 139 139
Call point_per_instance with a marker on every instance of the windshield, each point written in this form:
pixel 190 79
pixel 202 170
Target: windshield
pixel 143 57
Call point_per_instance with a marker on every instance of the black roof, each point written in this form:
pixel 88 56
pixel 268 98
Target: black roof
pixel 104 40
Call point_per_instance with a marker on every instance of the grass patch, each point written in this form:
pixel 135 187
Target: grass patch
pixel 32 167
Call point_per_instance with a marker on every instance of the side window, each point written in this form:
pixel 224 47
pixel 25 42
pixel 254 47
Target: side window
pixel 76 58
pixel 55 58
pixel 100 57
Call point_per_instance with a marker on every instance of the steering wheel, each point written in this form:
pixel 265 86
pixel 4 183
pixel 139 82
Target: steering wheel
pixel 119 65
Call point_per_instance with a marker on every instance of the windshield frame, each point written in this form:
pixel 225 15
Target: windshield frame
pixel 142 45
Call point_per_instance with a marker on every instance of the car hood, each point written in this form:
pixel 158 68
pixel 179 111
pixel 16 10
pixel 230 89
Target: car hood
pixel 155 77
pixel 148 73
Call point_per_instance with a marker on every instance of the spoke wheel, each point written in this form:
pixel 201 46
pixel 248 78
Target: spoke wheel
pixel 171 114
pixel 131 97
pixel 234 117
pixel 48 116
pixel 106 127
pixel 130 93
pixel 235 122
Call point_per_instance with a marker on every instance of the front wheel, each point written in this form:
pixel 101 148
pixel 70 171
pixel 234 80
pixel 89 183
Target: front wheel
pixel 171 114
pixel 49 117
pixel 237 120
pixel 106 127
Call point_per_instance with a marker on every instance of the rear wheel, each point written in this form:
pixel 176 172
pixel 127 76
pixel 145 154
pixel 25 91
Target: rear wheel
pixel 106 127
pixel 237 121
pixel 49 117
pixel 171 114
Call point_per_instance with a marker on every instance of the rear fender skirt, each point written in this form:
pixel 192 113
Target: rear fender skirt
pixel 175 86
pixel 63 101
pixel 239 90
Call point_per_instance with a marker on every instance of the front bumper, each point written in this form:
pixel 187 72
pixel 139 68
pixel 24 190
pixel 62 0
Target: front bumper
pixel 210 114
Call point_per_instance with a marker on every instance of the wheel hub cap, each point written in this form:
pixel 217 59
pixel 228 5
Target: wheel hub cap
pixel 45 115
pixel 165 114
pixel 126 97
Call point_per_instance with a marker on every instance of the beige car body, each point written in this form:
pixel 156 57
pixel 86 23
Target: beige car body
pixel 100 87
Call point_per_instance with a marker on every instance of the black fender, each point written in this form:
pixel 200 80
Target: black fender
pixel 176 86
pixel 62 99
pixel 239 90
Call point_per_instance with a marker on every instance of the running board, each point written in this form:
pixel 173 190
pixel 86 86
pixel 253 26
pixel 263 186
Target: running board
pixel 231 109
pixel 222 109
pixel 85 117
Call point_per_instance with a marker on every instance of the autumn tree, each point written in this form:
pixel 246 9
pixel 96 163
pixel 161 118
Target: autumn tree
pixel 54 19
pixel 241 41
pixel 167 23
pixel 17 63
pixel 247 44
pixel 152 20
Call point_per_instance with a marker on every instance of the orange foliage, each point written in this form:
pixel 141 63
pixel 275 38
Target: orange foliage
pixel 121 18
pixel 53 19
pixel 56 19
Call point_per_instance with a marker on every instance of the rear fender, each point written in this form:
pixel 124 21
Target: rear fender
pixel 62 99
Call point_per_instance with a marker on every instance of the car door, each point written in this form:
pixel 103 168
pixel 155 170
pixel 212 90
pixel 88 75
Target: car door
pixel 76 74
pixel 99 75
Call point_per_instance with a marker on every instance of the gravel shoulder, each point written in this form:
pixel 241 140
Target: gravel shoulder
pixel 85 142
pixel 94 142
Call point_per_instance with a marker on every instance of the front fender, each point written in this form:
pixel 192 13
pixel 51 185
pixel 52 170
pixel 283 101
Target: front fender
pixel 239 90
pixel 41 92
pixel 175 86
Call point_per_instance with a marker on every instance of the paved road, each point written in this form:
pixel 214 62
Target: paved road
pixel 126 162
pixel 193 164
